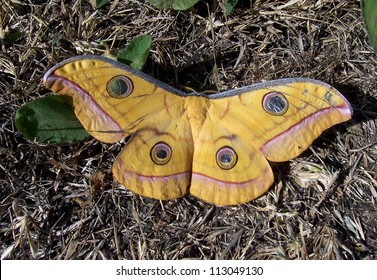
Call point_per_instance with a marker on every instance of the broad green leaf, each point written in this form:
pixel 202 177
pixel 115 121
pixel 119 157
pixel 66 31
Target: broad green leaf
pixel 50 119
pixel 162 4
pixel 12 36
pixel 137 51
pixel 369 10
pixel 178 5
pixel 230 4
pixel 181 5
pixel 101 3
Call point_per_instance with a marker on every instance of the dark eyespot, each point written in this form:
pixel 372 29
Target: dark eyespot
pixel 226 158
pixel 120 86
pixel 275 103
pixel 161 153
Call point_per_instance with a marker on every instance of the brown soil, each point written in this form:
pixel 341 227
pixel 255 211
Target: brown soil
pixel 61 202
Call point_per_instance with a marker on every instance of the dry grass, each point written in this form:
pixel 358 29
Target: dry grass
pixel 61 202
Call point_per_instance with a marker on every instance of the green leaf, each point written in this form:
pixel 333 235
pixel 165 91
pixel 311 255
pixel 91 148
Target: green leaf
pixel 50 119
pixel 136 52
pixel 161 4
pixel 12 36
pixel 101 3
pixel 178 5
pixel 230 4
pixel 369 11
pixel 181 5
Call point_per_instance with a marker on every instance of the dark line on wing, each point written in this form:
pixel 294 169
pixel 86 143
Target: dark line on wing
pixel 226 110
